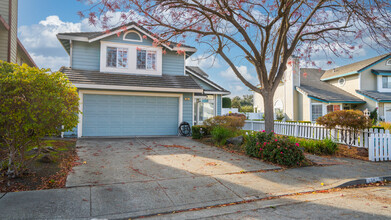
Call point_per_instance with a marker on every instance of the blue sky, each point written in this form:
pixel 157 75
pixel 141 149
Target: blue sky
pixel 40 20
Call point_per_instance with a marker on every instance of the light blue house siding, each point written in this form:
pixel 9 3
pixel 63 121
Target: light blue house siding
pixel 86 56
pixel 188 108
pixel 173 63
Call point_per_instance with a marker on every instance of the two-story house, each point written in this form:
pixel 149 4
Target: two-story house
pixel 11 49
pixel 129 86
pixel 307 93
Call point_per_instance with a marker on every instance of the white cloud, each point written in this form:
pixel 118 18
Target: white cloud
pixel 43 35
pixel 204 62
pixel 229 74
pixel 52 62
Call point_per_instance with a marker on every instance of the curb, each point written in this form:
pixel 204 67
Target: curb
pixel 364 181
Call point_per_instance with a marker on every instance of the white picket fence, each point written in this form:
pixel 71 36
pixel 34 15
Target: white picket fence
pixel 380 147
pixel 376 146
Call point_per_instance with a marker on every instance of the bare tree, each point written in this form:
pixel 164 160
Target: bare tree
pixel 261 32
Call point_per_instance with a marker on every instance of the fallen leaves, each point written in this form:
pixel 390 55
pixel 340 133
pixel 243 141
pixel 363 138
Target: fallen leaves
pixel 175 146
pixel 211 164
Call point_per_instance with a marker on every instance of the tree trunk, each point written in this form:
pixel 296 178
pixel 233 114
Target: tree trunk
pixel 269 112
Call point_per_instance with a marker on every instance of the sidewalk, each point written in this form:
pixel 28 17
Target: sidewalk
pixel 162 196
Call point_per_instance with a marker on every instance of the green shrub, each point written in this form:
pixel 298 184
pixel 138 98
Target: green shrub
pixel 373 116
pixel 226 102
pixel 232 123
pixel 33 103
pixel 247 108
pixel 199 131
pixel 267 146
pixel 318 147
pixel 252 142
pixel 282 151
pixel 221 134
pixel 378 127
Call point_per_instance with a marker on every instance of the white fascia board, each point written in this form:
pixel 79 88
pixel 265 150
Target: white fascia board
pixel 187 49
pixel 217 92
pixel 200 78
pixel 67 37
pixel 135 88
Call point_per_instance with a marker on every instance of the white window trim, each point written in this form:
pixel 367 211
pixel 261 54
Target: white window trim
pixel 380 84
pixel 146 57
pixel 117 49
pixel 132 59
pixel 323 109
pixel 100 92
pixel 141 38
pixel 388 62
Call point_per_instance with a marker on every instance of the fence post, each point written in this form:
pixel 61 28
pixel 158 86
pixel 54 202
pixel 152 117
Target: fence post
pixel 296 130
pixel 371 147
pixel 252 125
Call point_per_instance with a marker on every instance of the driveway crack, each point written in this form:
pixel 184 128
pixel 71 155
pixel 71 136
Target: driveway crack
pixel 165 193
pixel 228 188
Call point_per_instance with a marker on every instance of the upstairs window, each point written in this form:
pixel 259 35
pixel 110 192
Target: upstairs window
pixel 388 63
pixel 117 57
pixel 146 60
pixel 386 82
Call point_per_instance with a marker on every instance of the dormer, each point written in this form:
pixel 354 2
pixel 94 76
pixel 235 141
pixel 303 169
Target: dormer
pixel 129 50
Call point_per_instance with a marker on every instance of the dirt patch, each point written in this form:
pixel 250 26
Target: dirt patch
pixel 40 175
pixel 353 152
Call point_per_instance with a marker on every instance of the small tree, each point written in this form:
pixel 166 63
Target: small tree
pixel 226 102
pixel 351 122
pixel 33 103
pixel 236 102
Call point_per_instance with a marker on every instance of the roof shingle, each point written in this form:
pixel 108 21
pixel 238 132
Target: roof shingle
pixel 114 79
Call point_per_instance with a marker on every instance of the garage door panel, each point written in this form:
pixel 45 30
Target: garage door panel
pixel 111 115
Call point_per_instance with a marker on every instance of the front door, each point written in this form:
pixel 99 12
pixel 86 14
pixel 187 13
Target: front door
pixel 204 108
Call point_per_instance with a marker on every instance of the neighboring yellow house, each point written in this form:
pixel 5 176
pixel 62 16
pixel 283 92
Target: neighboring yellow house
pixel 307 93
pixel 11 49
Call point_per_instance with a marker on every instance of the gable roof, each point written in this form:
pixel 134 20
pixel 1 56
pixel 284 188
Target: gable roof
pixel 198 73
pixel 353 68
pixel 94 36
pixel 99 80
pixel 311 85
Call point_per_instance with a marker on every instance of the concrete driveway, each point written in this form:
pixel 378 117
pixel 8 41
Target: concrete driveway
pixel 117 161
pixel 150 175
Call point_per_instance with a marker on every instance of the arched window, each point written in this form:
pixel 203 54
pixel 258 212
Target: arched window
pixel 133 36
pixel 388 63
